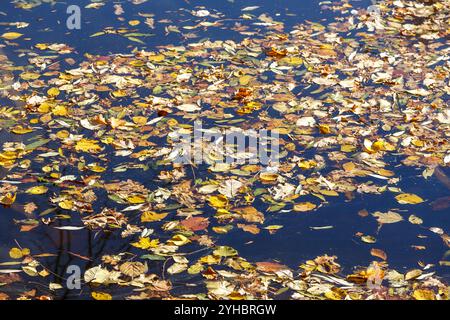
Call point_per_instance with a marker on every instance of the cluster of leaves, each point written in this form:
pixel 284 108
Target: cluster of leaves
pixel 99 143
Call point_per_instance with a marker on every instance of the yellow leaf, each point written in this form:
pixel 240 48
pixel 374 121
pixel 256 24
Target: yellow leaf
pixel 307 164
pixel 101 296
pixel 221 230
pixel 140 120
pixel 150 216
pixel 44 107
pixel 87 145
pixel 324 129
pixel 348 148
pixel 15 253
pixel 195 268
pixel 134 22
pixel 368 239
pixel 96 168
pixel 304 206
pixel 219 201
pixel 336 294
pixel 21 130
pixel 244 80
pixel 53 92
pixel 418 143
pixel 385 173
pixel 8 199
pixel 412 274
pixel 66 204
pixel 378 145
pixel 30 76
pixel 41 46
pixel 178 240
pixel 136 199
pixel 210 259
pixel 156 58
pixel 268 176
pixel 145 243
pixel 349 166
pixel 408 198
pixel 60 111
pixel 330 193
pixel 225 251
pixel 423 294
pixel 295 61
pixel 11 35
pixel 119 93
pixel 37 190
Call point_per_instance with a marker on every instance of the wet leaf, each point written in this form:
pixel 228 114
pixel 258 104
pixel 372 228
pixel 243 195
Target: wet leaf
pixel 101 296
pixel 413 274
pixel 133 269
pixel 150 216
pixel 219 201
pixel 304 206
pixel 11 35
pixel 224 251
pixel 424 294
pixel 387 217
pixel 37 190
pixel 408 198
pixel 378 253
pixel 414 219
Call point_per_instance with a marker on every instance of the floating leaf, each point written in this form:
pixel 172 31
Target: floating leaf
pixel 304 206
pixel 21 130
pixel 101 296
pixel 413 274
pixel 8 199
pixel 53 92
pixel 378 253
pixel 408 198
pixel 150 216
pixel 30 76
pixel 368 239
pixel 87 145
pixel 188 107
pixel 145 243
pixel 387 217
pixel 219 201
pixel 225 251
pixel 244 80
pixel 37 190
pixel 11 35
pixel 178 240
pixel 133 269
pixel 414 219
pixel 15 253
pixel 66 204
pixel 424 294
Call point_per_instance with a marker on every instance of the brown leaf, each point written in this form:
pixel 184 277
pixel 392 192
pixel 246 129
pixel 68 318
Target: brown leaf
pixel 29 207
pixel 250 214
pixel 378 253
pixel 4 296
pixel 252 228
pixel 270 267
pixel 195 223
pixel 133 269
